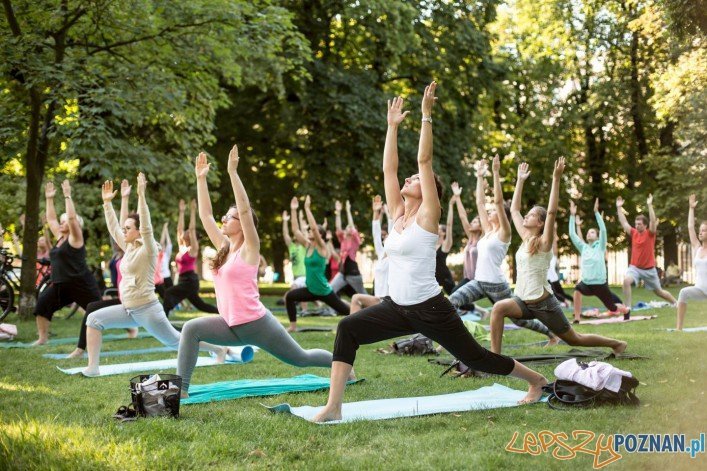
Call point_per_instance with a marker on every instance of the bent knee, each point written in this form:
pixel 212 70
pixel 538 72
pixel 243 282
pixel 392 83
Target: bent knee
pixel 93 321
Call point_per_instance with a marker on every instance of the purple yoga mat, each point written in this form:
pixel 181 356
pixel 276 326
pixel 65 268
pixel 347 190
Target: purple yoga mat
pixel 618 320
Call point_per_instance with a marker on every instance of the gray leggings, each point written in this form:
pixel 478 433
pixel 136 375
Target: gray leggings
pixel 266 333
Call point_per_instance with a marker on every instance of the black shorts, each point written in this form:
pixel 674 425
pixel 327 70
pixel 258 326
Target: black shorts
pixel 548 311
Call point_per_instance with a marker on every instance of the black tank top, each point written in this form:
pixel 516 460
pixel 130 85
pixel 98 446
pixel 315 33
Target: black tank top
pixel 441 269
pixel 68 263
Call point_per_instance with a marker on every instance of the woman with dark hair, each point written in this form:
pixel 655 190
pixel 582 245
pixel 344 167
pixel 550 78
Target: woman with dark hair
pixel 243 319
pixel 139 304
pixel 71 279
pixel 443 274
pixel 319 249
pixel 187 286
pixel 415 302
pixel 533 297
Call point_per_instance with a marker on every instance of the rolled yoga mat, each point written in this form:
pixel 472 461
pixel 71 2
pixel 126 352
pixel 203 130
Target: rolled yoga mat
pixel 70 340
pixel 115 353
pixel 227 390
pixel 489 397
pixel 245 354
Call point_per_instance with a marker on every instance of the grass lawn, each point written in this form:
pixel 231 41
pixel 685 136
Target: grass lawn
pixel 49 420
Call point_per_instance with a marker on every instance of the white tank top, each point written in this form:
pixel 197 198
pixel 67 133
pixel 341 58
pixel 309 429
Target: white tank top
pixel 490 257
pixel 532 281
pixel 700 270
pixel 552 275
pixel 411 259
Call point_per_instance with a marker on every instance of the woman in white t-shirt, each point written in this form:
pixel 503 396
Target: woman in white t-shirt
pixel 699 254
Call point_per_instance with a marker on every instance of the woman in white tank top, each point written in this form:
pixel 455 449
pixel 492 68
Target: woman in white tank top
pixel 533 298
pixel 415 302
pixel 699 250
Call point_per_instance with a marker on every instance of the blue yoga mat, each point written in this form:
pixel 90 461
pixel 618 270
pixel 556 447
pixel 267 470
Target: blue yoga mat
pixel 70 340
pixel 691 329
pixel 115 353
pixel 470 316
pixel 489 397
pixel 227 390
pixel 243 355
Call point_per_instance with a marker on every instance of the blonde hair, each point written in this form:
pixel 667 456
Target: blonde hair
pixel 65 217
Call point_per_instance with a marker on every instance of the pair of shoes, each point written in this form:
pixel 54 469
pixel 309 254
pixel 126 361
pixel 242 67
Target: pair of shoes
pixel 126 413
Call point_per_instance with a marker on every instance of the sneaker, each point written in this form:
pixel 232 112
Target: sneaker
pixel 625 311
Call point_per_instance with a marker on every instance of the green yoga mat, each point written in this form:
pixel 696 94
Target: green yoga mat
pixel 70 340
pixel 227 390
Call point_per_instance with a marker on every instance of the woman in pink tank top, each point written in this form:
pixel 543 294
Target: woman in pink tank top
pixel 243 319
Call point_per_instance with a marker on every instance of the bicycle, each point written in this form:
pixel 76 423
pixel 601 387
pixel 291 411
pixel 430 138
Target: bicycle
pixel 10 281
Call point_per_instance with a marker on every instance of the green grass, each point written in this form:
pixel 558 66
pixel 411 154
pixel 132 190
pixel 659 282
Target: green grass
pixel 49 420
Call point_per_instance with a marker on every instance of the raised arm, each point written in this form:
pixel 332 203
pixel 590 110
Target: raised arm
pixel 376 229
pixel 337 217
pixel 45 230
pixel 652 220
pixel 349 217
pixel 250 232
pixel 622 217
pixel 180 221
pixel 461 211
pixel 114 227
pixel 390 158
pixel 578 243
pixel 148 236
pixel 578 226
pixel 430 211
pixel 330 247
pixel 206 213
pixel 448 237
pixel 75 232
pixel 294 219
pixel 480 197
pixel 164 237
pixel 52 221
pixel 285 229
pixel 602 227
pixel 504 232
pixel 125 190
pixel 318 241
pixel 549 239
pixel 194 247
pixel 694 240
pixel 523 174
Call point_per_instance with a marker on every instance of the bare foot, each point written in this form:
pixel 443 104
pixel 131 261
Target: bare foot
pixel 352 376
pixel 221 355
pixel 535 391
pixel 184 395
pixel 132 332
pixel 620 348
pixel 78 353
pixel 554 340
pixel 292 328
pixel 90 373
pixel 327 415
pixel 39 342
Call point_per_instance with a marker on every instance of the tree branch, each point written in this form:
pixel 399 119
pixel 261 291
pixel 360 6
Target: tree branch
pixel 11 18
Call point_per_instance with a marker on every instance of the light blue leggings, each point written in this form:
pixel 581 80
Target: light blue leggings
pixel 151 316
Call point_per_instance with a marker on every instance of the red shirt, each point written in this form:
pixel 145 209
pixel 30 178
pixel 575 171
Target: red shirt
pixel 642 249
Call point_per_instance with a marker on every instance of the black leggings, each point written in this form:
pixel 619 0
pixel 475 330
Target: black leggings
pixel 435 318
pixel 92 307
pixel 559 292
pixel 57 295
pixel 162 288
pixel 295 296
pixel 605 295
pixel 187 288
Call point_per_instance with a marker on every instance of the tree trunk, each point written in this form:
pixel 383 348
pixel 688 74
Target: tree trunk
pixel 637 101
pixel 670 245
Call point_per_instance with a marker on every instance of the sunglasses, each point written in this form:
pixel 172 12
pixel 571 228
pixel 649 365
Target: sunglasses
pixel 228 217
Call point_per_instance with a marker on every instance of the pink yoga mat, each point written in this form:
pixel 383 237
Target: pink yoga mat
pixel 618 320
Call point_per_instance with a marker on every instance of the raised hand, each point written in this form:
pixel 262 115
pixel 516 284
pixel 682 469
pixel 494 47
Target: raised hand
pixel 596 205
pixel 285 216
pixel 395 111
pixel 192 205
pixel 523 171
pixel 66 188
pixel 693 201
pixel 559 167
pixel 578 220
pixel 233 160
pixel 496 167
pixel 308 202
pixel 202 166
pixel 428 99
pixel 377 204
pixel 294 203
pixel 49 190
pixel 481 167
pixel 142 184
pixel 456 189
pixel 573 208
pixel 337 206
pixel 182 205
pixel 125 189
pixel 329 236
pixel 619 202
pixel 107 192
pixel 649 201
pixel 348 206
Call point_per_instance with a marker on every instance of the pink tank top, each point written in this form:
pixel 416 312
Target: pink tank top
pixel 185 262
pixel 237 295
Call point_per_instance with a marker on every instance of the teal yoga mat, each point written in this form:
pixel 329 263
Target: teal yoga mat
pixel 115 353
pixel 691 329
pixel 244 356
pixel 227 390
pixel 489 397
pixel 70 340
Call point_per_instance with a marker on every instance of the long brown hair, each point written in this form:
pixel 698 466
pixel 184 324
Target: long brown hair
pixel 222 253
pixel 534 241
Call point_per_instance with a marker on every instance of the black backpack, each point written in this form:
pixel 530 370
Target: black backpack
pixel 565 393
pixel 417 345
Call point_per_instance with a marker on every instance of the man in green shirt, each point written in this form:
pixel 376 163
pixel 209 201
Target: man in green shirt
pixel 593 253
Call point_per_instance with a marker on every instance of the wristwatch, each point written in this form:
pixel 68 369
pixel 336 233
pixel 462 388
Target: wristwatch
pixel 427 119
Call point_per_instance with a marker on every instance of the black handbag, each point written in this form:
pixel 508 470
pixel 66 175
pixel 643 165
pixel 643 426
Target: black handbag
pixel 565 394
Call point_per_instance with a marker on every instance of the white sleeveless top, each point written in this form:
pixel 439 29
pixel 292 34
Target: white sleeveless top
pixel 552 275
pixel 700 270
pixel 411 260
pixel 490 257
pixel 532 281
